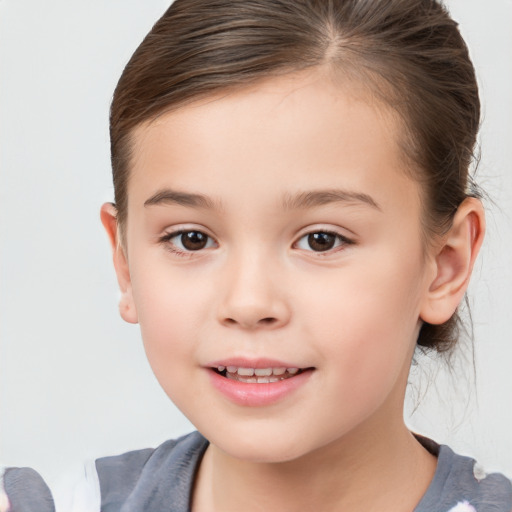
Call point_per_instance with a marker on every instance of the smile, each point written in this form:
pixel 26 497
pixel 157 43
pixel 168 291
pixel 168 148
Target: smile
pixel 257 383
pixel 257 375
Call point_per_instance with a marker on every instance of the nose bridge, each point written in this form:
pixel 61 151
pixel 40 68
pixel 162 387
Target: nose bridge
pixel 252 293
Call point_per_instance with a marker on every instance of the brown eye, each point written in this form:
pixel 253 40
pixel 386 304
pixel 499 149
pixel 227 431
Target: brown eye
pixel 321 241
pixel 186 242
pixel 193 240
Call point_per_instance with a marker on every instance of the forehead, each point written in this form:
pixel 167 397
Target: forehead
pixel 295 131
pixel 307 96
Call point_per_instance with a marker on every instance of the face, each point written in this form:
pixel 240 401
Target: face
pixel 276 265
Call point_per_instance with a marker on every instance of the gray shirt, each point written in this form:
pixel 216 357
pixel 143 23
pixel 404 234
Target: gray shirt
pixel 161 480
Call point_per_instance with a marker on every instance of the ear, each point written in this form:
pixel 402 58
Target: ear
pixel 453 262
pixel 126 304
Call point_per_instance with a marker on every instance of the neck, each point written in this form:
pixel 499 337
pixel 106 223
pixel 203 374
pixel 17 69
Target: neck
pixel 365 471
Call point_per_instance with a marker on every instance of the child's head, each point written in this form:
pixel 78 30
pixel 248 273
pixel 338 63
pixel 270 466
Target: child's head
pixel 291 182
pixel 406 53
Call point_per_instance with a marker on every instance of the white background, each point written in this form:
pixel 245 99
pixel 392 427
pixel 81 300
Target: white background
pixel 74 382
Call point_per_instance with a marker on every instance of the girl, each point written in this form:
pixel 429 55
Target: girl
pixel 293 217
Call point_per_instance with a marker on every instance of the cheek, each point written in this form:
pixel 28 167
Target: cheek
pixel 365 317
pixel 364 295
pixel 173 308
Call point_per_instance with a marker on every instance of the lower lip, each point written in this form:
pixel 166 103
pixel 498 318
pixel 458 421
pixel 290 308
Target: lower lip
pixel 257 395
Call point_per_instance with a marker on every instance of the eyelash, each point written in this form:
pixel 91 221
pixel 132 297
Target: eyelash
pixel 166 240
pixel 341 240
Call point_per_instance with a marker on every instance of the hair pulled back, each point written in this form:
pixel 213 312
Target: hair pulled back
pixel 408 53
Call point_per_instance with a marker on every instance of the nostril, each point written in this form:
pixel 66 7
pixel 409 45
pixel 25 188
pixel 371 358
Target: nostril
pixel 262 321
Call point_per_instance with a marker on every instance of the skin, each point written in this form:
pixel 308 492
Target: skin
pixel 258 289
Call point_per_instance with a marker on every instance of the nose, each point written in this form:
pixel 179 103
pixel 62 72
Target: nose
pixel 253 295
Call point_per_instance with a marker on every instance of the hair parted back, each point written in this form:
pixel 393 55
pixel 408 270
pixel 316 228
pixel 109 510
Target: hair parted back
pixel 408 53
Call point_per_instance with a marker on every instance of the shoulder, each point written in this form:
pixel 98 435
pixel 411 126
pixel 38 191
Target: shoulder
pixel 461 485
pixel 23 489
pixel 146 480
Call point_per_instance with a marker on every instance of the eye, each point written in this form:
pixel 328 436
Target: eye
pixel 188 241
pixel 322 241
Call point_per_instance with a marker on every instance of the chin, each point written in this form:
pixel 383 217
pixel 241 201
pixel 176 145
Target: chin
pixel 262 454
pixel 262 447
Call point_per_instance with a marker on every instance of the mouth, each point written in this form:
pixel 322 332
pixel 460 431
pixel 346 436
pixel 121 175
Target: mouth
pixel 257 382
pixel 258 375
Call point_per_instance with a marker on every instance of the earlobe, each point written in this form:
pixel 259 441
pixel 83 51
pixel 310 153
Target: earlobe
pixel 127 308
pixel 453 262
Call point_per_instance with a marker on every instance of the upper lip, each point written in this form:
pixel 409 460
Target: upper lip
pixel 241 362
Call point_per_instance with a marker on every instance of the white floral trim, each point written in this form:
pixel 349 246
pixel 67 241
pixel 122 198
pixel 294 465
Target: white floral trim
pixel 463 506
pixel 479 472
pixel 4 500
pixel 78 491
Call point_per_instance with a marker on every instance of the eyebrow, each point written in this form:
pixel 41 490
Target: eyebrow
pixel 324 197
pixel 168 196
pixel 301 200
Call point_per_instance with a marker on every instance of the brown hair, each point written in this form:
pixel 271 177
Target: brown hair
pixel 409 53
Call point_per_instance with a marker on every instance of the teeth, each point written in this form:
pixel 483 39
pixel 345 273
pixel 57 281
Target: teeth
pixel 258 375
pixel 262 372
